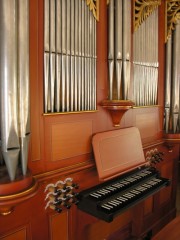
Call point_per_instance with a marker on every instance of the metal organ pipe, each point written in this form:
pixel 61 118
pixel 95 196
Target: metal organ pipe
pixel 168 83
pixel 176 78
pixel 118 44
pixel 111 47
pixel 14 83
pixel 23 81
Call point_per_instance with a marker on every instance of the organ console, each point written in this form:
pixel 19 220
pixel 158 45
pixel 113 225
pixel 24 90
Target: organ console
pixel 127 177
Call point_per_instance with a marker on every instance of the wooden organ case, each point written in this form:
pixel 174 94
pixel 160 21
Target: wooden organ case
pixel 127 177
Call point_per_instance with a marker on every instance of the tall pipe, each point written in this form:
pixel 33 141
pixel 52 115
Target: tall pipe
pixel 118 45
pixel 111 47
pixel 14 83
pixel 8 80
pixel 23 80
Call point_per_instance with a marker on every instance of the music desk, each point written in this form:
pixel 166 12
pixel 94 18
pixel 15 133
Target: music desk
pixel 170 232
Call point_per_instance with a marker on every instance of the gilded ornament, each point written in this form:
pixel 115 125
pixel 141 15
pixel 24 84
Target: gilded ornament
pixel 94 7
pixel 172 16
pixel 142 10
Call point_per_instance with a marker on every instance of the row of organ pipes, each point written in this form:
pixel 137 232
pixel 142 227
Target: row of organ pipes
pixel 69 56
pixel 172 83
pixel 145 61
pixel 139 82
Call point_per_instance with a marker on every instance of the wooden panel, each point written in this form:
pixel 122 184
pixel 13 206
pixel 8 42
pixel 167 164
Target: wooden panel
pixel 102 230
pixel 166 171
pixel 148 206
pixel 147 122
pixel 71 139
pixel 59 226
pixel 17 235
pixel 34 84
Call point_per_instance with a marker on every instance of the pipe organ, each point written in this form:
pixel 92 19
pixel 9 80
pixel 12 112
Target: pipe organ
pixel 69 56
pixel 14 84
pixel 172 83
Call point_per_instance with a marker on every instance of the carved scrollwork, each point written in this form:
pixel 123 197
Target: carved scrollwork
pixel 142 9
pixel 172 16
pixel 94 7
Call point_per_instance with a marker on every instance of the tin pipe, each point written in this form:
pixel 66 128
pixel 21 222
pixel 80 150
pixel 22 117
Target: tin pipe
pixel 64 59
pixel 111 47
pixel 76 60
pixel 8 88
pixel 126 34
pixel 83 56
pixel 23 81
pixel 72 42
pixel 118 44
pixel 79 54
pixel 58 72
pixel 68 52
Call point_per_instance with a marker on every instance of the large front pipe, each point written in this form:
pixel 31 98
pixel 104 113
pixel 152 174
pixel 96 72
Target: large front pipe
pixel 8 88
pixel 118 45
pixel 111 47
pixel 23 80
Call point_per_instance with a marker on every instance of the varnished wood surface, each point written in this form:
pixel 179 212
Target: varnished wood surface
pixel 170 232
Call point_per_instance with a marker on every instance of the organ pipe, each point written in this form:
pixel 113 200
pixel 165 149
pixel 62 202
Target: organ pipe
pixel 14 84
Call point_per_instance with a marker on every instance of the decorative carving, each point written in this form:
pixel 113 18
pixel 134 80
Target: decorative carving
pixel 94 7
pixel 172 16
pixel 142 9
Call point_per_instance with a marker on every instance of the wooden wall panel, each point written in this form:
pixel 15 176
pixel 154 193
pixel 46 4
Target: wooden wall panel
pixel 146 119
pixel 20 234
pixel 58 225
pixel 34 83
pixel 100 230
pixel 71 139
pixel 167 172
pixel 148 206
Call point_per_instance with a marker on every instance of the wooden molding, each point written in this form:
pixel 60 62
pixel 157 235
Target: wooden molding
pixel 13 193
pixel 117 108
